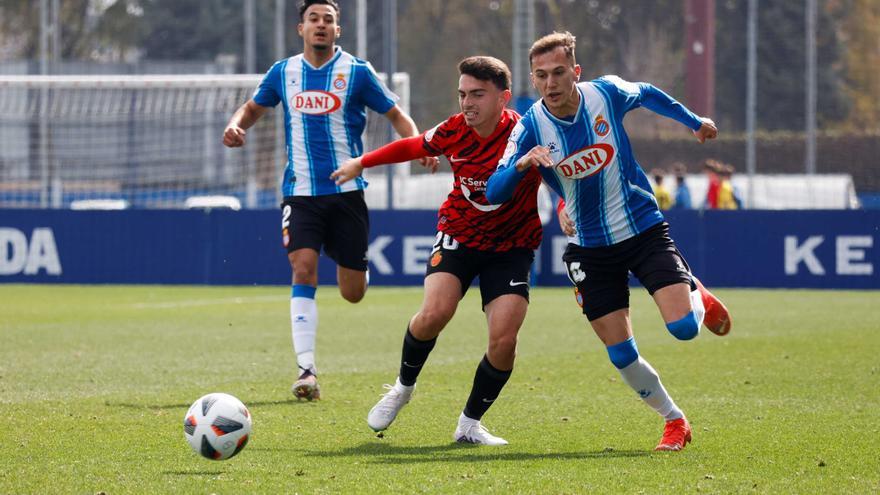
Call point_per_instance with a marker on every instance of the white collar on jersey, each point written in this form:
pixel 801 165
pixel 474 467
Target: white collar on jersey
pixel 336 54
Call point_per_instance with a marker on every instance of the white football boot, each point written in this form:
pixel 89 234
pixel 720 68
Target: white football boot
pixel 383 413
pixel 471 431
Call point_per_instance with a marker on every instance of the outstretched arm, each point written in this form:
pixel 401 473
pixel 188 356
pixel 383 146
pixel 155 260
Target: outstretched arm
pixel 657 101
pixel 405 127
pixel 402 150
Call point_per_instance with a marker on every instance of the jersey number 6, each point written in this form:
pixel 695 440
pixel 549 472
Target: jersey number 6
pixel 575 274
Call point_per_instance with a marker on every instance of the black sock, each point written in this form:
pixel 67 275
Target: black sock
pixel 415 353
pixel 488 382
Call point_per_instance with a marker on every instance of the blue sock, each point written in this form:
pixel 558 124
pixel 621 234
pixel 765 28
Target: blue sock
pixel 624 353
pixel 306 291
pixel 686 328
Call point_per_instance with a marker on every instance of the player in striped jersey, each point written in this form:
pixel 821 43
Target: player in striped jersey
pixel 575 136
pixel 474 239
pixel 324 92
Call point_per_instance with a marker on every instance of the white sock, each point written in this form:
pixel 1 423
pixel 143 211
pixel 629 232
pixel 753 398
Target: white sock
pixel 304 326
pixel 403 388
pixel 644 380
pixel 463 420
pixel 697 305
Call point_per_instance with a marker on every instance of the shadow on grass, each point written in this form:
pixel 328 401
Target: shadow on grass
pixel 129 405
pixel 192 473
pixel 392 454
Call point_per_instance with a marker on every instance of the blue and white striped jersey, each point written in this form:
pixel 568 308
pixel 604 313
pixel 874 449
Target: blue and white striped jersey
pixel 324 117
pixel 606 192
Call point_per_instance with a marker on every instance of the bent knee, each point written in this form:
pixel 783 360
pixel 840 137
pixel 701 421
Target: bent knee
pixel 436 317
pixel 304 274
pixel 504 346
pixel 686 328
pixel 353 294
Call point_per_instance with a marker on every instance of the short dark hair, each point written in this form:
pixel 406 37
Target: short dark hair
pixel 305 4
pixel 486 69
pixel 550 42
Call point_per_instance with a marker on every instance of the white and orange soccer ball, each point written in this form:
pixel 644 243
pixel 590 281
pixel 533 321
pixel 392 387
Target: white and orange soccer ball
pixel 217 426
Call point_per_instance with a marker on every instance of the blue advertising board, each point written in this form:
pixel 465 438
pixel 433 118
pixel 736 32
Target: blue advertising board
pixel 807 249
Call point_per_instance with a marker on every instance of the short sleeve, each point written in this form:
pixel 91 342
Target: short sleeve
pixel 268 93
pixel 373 93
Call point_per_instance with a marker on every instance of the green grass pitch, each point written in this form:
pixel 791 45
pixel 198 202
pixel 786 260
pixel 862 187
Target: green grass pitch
pixel 94 383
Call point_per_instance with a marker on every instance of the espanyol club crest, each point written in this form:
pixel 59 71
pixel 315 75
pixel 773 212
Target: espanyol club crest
pixel 339 82
pixel 578 297
pixel 601 127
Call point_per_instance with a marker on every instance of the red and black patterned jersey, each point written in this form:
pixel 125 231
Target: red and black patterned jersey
pixel 466 215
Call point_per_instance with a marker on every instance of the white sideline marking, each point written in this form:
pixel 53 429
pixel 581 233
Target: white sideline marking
pixel 189 303
pixel 208 302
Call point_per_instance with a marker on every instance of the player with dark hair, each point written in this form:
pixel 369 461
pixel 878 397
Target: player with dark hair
pixel 324 92
pixel 474 239
pixel 575 136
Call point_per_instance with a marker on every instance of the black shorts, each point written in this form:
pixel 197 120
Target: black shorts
pixel 337 222
pixel 601 274
pixel 500 272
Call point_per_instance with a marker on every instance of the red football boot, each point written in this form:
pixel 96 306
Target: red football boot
pixel 717 318
pixel 676 435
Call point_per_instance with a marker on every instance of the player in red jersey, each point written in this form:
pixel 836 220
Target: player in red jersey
pixel 474 238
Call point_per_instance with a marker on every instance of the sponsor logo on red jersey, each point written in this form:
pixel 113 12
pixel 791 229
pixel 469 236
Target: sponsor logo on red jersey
pixel 586 162
pixel 466 215
pixel 315 102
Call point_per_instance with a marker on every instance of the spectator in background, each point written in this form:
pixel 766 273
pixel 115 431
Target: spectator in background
pixel 664 199
pixel 737 197
pixel 712 168
pixel 727 198
pixel 682 193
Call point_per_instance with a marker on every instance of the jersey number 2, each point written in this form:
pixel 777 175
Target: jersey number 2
pixel 285 217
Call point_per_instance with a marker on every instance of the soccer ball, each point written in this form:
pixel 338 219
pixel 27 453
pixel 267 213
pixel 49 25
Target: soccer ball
pixel 217 426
